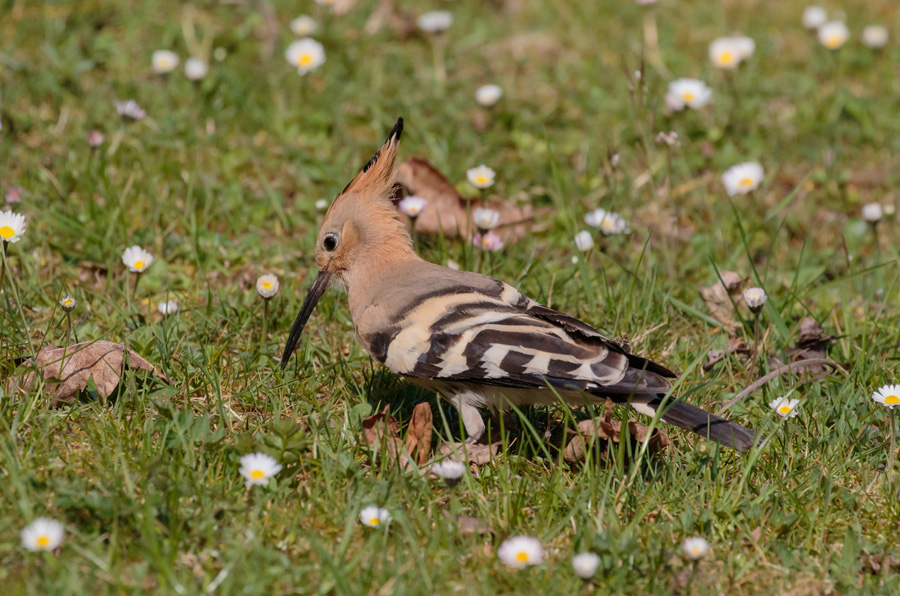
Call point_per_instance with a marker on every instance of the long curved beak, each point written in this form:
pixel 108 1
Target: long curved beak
pixel 312 298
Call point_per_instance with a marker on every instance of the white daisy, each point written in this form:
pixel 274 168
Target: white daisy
pixel 613 223
pixel 42 534
pixel 435 21
pixel 304 26
pixel 584 241
pixel 814 17
pixel 585 565
pixel 375 517
pixel 306 54
pixel 743 178
pixel 164 61
pixel 485 219
pixel 169 307
pixel 755 298
pixel 67 303
pixel 875 37
pixel 412 205
pixel 136 259
pixel 833 34
pixel 130 109
pixel 872 212
pixel 488 95
pixel 729 52
pixel 451 264
pixel 449 470
pixel 784 407
pixel 595 217
pixel 481 177
pixel 691 93
pixel 888 396
pixel 490 242
pixel 267 286
pixel 95 138
pixel 521 551
pixel 695 548
pixel 257 468
pixel 12 226
pixel 195 69
pixel 322 204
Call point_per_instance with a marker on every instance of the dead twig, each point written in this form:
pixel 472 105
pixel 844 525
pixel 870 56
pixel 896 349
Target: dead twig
pixel 793 366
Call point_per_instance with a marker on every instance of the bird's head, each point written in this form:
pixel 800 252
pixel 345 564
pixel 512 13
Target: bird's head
pixel 360 229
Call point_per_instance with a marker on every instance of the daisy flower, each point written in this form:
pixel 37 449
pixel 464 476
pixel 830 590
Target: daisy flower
pixel 435 21
pixel 306 54
pixel 784 407
pixel 833 34
pixel 814 17
pixel 412 205
pixel 888 396
pixel 267 286
pixel 95 138
pixel 488 95
pixel 729 52
pixel 303 26
pixel 875 37
pixel 613 223
pixel 872 212
pixel 595 217
pixel 521 551
pixel 695 548
pixel 450 471
pixel 130 109
pixel 13 195
pixel 691 93
pixel 668 138
pixel 742 178
pixel 67 303
pixel 451 264
pixel 136 259
pixel 257 468
pixel 322 204
pixel 375 517
pixel 490 242
pixel 169 307
pixel 584 241
pixel 164 61
pixel 12 226
pixel 485 219
pixel 195 69
pixel 755 298
pixel 481 177
pixel 585 565
pixel 42 534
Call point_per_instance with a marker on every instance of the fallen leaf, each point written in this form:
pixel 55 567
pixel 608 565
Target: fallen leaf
pixel 878 564
pixel 812 343
pixel 67 370
pixel 475 454
pixel 401 23
pixel 605 430
pixel 383 432
pixel 469 525
pixel 735 346
pixel 720 296
pixel 418 436
pixel 448 211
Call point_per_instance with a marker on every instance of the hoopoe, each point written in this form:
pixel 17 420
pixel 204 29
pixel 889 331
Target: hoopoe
pixel 476 341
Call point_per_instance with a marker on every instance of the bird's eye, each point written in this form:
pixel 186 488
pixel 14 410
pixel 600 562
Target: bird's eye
pixel 330 242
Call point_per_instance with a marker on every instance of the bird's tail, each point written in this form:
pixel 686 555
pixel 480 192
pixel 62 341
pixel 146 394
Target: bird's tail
pixel 705 424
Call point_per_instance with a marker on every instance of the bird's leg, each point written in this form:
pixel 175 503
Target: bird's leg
pixel 471 418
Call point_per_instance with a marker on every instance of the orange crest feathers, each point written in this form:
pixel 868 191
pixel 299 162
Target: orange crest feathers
pixel 377 176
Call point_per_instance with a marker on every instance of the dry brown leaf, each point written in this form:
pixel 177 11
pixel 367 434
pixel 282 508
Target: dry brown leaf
pixel 719 297
pixel 812 343
pixel 735 346
pixel 418 436
pixel 469 525
pixel 66 370
pixel 448 211
pixel 474 454
pixel 382 431
pixel 878 564
pixel 604 430
pixel 402 23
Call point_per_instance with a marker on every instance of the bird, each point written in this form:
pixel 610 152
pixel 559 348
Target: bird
pixel 476 341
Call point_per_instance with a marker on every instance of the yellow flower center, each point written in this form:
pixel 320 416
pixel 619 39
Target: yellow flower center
pixel 784 410
pixel 688 97
pixel 522 557
pixel 165 63
pixel 607 223
pixel 43 541
pixel 68 302
pixel 695 551
pixel 892 399
pixel 374 521
pixel 267 286
pixel 304 60
pixel 834 41
pixel 746 182
pixel 139 264
pixel 726 59
pixel 481 180
pixel 7 232
pixel 257 474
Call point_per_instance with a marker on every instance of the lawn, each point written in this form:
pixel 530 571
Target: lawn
pixel 223 180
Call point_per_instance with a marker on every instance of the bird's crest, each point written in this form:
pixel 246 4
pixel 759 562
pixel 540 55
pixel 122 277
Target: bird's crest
pixel 376 177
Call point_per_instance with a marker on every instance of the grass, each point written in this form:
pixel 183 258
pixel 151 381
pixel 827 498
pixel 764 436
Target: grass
pixel 220 183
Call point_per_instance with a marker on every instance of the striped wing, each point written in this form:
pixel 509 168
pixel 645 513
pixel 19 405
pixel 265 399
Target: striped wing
pixel 495 335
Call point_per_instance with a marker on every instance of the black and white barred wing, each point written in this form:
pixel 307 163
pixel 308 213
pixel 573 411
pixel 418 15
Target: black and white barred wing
pixel 509 340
